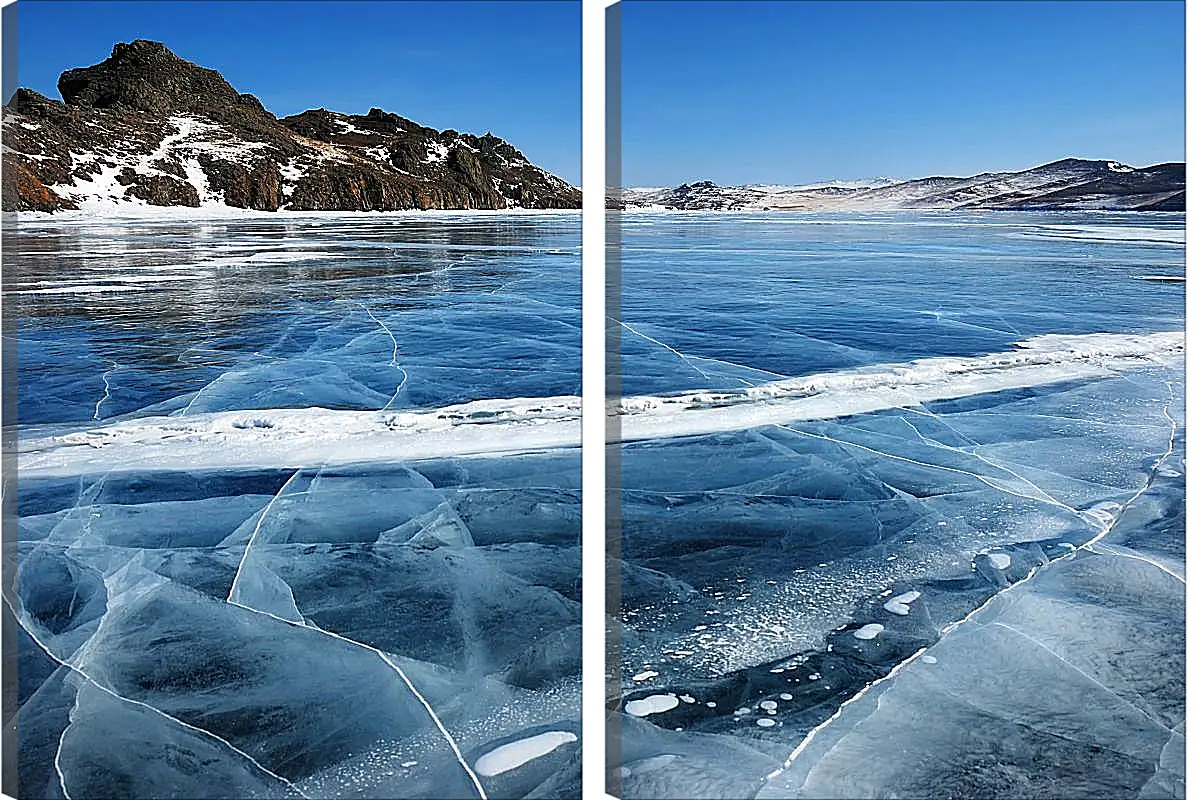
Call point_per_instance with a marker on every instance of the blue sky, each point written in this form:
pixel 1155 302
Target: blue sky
pixel 513 68
pixel 786 92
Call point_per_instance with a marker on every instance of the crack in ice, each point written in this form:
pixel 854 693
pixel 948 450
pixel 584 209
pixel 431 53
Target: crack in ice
pixel 970 702
pixel 1082 672
pixel 398 389
pixel 394 341
pixel 979 456
pixel 107 389
pixel 70 720
pixel 81 673
pixel 687 359
pixel 808 738
pixel 191 402
pixel 256 529
pixel 739 366
pixel 1085 516
pixel 431 712
pixel 393 358
pixel 1060 417
pixel 1149 480
pixel 1110 550
pixel 953 626
pixel 1162 754
pixel 946 318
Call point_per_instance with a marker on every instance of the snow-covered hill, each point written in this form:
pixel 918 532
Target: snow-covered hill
pixel 1071 183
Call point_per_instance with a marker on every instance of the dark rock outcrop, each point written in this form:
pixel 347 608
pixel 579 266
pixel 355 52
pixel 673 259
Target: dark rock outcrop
pixel 161 190
pixel 146 76
pixel 148 126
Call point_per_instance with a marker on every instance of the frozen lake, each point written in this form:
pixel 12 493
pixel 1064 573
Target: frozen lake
pixel 902 505
pixel 168 317
pixel 238 552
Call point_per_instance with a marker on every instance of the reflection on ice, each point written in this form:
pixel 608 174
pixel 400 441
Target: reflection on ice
pixel 389 311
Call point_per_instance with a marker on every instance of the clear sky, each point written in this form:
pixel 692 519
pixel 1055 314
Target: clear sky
pixel 513 68
pixel 790 92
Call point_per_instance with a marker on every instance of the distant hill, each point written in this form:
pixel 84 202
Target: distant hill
pixel 147 127
pixel 1069 184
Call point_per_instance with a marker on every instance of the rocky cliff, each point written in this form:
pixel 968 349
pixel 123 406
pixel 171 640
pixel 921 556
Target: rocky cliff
pixel 1069 184
pixel 147 127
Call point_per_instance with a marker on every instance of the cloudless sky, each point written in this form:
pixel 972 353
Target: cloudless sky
pixel 791 92
pixel 512 68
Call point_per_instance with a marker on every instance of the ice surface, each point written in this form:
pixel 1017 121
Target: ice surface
pixel 1055 678
pixel 299 629
pixel 296 610
pixel 845 581
pixel 747 297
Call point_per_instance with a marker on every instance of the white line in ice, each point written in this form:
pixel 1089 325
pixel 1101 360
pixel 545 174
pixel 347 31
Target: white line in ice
pixel 670 349
pixel 58 751
pixel 1149 479
pixel 394 355
pixel 1042 498
pixel 79 671
pixel 397 390
pixel 256 529
pixel 191 402
pixel 107 390
pixel 1089 677
pixel 435 718
pixel 1103 549
pixel 977 455
pixel 393 358
pixel 804 743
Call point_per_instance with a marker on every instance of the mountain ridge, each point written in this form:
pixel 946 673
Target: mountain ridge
pixel 1064 184
pixel 148 127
